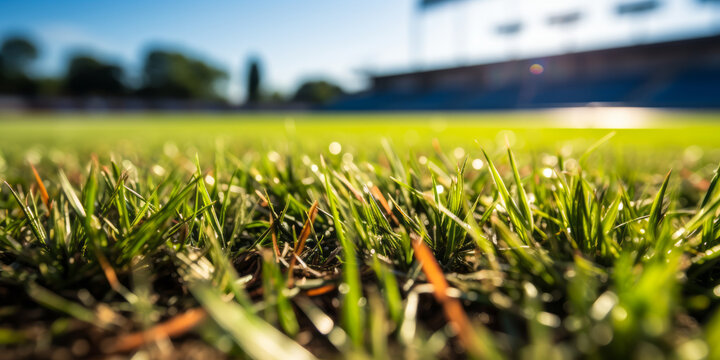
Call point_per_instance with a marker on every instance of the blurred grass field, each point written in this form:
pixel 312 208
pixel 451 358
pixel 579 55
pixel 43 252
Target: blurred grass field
pixel 665 134
pixel 642 137
pixel 543 128
pixel 315 235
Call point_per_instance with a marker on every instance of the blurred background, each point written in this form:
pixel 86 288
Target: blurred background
pixel 358 55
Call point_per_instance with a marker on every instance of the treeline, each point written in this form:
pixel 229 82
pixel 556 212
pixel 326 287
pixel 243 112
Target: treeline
pixel 164 74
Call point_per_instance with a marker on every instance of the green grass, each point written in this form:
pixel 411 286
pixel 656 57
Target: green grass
pixel 157 236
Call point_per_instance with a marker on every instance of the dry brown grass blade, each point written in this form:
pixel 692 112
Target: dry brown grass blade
pixel 346 182
pixel 375 191
pixel 452 308
pixel 300 245
pixel 43 191
pixel 273 233
pixel 697 182
pixel 109 271
pixel 436 145
pixel 320 290
pixel 173 327
pixel 263 200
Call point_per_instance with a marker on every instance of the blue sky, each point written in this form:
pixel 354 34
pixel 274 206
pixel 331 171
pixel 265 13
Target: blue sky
pixel 336 39
pixel 295 39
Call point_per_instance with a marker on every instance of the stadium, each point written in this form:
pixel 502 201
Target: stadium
pixel 406 179
pixel 654 70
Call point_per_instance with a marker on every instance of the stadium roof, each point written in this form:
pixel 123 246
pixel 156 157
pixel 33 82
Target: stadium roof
pixel 679 45
pixel 428 3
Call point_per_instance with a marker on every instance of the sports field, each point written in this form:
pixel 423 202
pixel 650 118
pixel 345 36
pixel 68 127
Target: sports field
pixel 499 235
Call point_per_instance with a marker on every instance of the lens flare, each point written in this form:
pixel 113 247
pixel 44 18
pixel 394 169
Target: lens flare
pixel 536 69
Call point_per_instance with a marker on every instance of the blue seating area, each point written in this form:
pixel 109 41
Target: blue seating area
pixel 697 87
pixel 506 97
pixel 363 101
pixel 615 90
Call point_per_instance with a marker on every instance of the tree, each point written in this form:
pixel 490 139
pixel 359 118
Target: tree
pixel 89 76
pixel 253 82
pixel 169 74
pixel 16 55
pixel 317 92
pixel 276 97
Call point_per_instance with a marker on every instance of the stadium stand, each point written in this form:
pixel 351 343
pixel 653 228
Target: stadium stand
pixel 684 74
